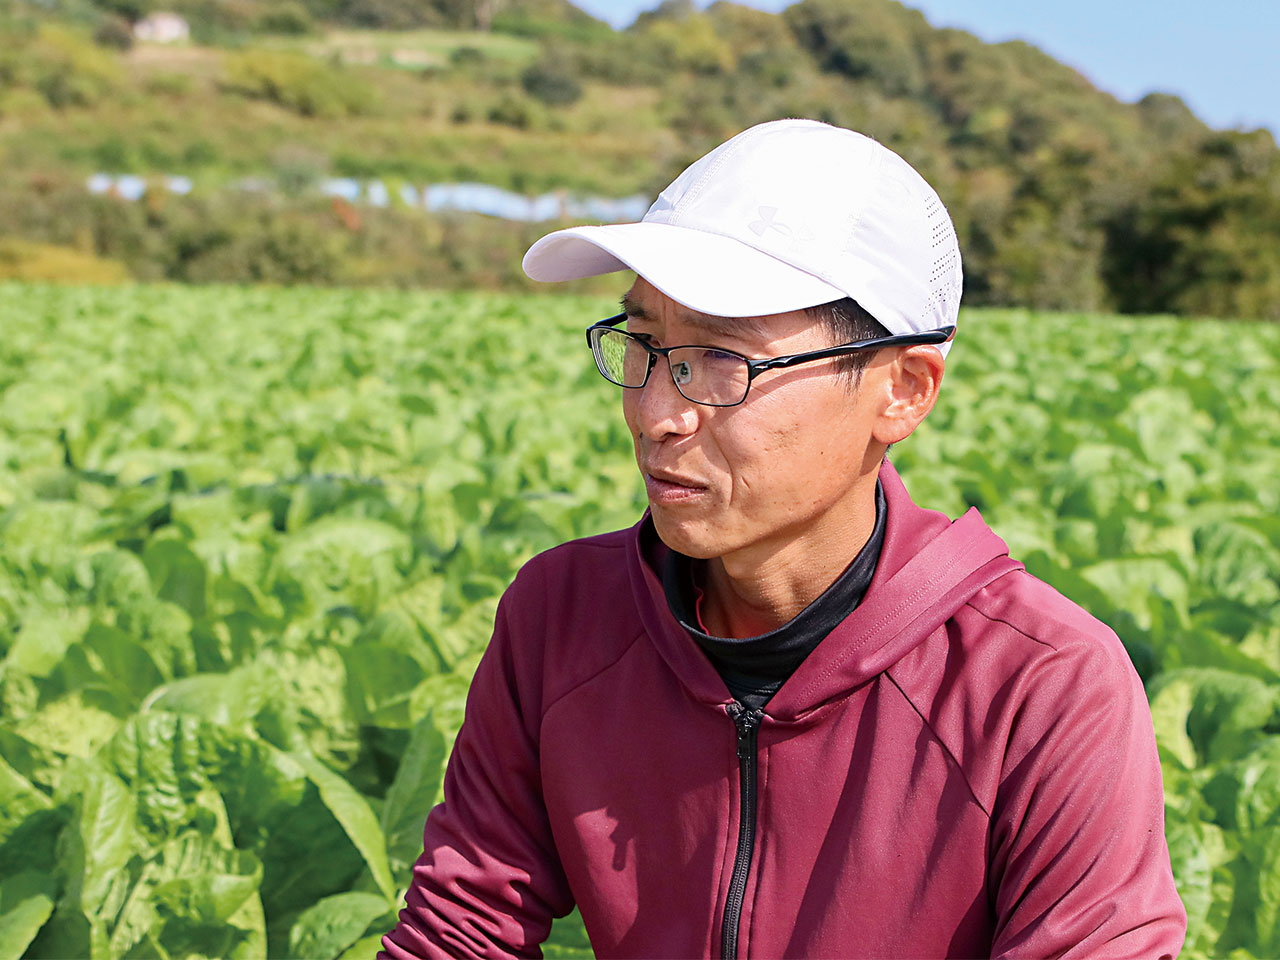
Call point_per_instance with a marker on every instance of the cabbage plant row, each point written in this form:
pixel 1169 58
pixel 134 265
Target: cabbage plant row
pixel 251 542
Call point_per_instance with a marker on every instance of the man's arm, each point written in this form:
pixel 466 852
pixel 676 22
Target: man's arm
pixel 489 881
pixel 1077 837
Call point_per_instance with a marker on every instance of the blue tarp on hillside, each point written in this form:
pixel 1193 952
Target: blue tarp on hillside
pixel 465 197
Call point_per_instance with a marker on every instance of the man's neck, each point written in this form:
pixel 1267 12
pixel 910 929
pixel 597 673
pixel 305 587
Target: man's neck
pixel 758 589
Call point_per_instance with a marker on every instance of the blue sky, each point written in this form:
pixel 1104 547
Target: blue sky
pixel 1221 57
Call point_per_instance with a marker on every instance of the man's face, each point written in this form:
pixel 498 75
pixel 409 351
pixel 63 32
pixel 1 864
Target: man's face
pixel 785 470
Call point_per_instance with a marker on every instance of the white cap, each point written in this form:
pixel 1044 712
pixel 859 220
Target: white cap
pixel 786 215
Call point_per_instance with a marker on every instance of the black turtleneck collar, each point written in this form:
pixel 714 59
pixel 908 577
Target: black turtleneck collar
pixel 754 668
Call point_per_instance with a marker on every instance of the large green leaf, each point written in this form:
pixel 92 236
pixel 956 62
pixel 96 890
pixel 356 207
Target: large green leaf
pixel 18 800
pixel 326 930
pixel 117 579
pixel 42 535
pixel 352 810
pixel 158 756
pixel 380 681
pixel 113 667
pixel 97 845
pixel 1245 793
pixel 26 901
pixel 364 948
pixel 1218 714
pixel 229 699
pixel 1267 859
pixel 1236 562
pixel 414 791
pixel 192 895
pixel 1132 583
pixel 341 561
pixel 43 639
pixel 203 882
pixel 177 574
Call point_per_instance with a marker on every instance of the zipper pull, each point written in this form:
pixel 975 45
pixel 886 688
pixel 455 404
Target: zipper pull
pixel 746 721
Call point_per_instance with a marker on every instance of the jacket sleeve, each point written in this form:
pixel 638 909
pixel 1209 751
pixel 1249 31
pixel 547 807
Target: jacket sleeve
pixel 1078 850
pixel 489 881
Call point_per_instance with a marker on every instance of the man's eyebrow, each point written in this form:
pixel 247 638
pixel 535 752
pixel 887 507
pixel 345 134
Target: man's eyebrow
pixel 631 307
pixel 724 326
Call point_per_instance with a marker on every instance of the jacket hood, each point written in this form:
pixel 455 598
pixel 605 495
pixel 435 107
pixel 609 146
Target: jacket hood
pixel 928 569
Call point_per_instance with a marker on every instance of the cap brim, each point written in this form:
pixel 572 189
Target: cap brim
pixel 706 272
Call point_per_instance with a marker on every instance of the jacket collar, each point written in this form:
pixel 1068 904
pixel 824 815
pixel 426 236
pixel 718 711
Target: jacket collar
pixel 929 567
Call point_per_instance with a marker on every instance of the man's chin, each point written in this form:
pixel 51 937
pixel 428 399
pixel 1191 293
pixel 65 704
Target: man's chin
pixel 692 538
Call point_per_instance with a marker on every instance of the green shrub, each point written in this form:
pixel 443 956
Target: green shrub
pixel 391 14
pixel 22 103
pixel 200 153
pixel 578 28
pixel 552 83
pixel 466 56
pixel 289 18
pixel 875 40
pixel 297 82
pixel 49 263
pixel 773 67
pixel 516 111
pixel 114 33
pixel 169 84
pixel 283 249
pixel 297 169
pixel 686 42
pixel 114 155
pixel 219 22
pixel 61 64
pixel 155 155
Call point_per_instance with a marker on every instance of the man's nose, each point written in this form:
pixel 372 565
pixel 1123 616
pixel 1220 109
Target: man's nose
pixel 663 410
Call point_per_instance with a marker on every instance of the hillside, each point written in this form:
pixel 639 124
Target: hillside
pixel 1063 196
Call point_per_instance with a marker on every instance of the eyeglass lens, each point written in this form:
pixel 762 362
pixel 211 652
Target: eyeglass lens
pixel 701 374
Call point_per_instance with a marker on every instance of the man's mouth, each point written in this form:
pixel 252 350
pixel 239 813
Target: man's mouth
pixel 668 488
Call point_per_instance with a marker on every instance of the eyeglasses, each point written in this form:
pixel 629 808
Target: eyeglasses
pixel 713 376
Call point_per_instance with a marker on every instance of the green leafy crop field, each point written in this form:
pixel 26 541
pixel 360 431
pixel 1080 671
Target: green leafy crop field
pixel 251 542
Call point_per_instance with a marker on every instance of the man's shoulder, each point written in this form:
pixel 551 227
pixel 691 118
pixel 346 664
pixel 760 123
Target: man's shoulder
pixel 612 540
pixel 1041 624
pixel 1025 650
pixel 1015 634
pixel 1017 661
pixel 595 558
pixel 566 616
pixel 575 599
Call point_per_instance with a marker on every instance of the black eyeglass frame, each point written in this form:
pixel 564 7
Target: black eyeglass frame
pixel 755 367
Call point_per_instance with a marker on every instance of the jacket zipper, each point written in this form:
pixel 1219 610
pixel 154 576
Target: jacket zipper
pixel 747 723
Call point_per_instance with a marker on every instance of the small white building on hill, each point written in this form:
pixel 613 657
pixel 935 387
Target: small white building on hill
pixel 162 27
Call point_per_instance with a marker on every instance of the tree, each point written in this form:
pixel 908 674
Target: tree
pixel 1204 238
pixel 873 40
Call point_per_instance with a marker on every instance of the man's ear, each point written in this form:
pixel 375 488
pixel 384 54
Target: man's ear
pixel 911 384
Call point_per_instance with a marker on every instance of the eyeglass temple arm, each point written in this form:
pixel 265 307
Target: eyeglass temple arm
pixel 608 322
pixel 941 335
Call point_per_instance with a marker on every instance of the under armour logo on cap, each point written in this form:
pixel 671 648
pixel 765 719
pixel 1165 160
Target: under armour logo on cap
pixel 767 222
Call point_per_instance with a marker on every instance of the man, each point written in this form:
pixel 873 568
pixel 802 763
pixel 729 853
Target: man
pixel 791 713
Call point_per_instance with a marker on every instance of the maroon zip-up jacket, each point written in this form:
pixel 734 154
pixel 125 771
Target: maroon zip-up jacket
pixel 964 767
